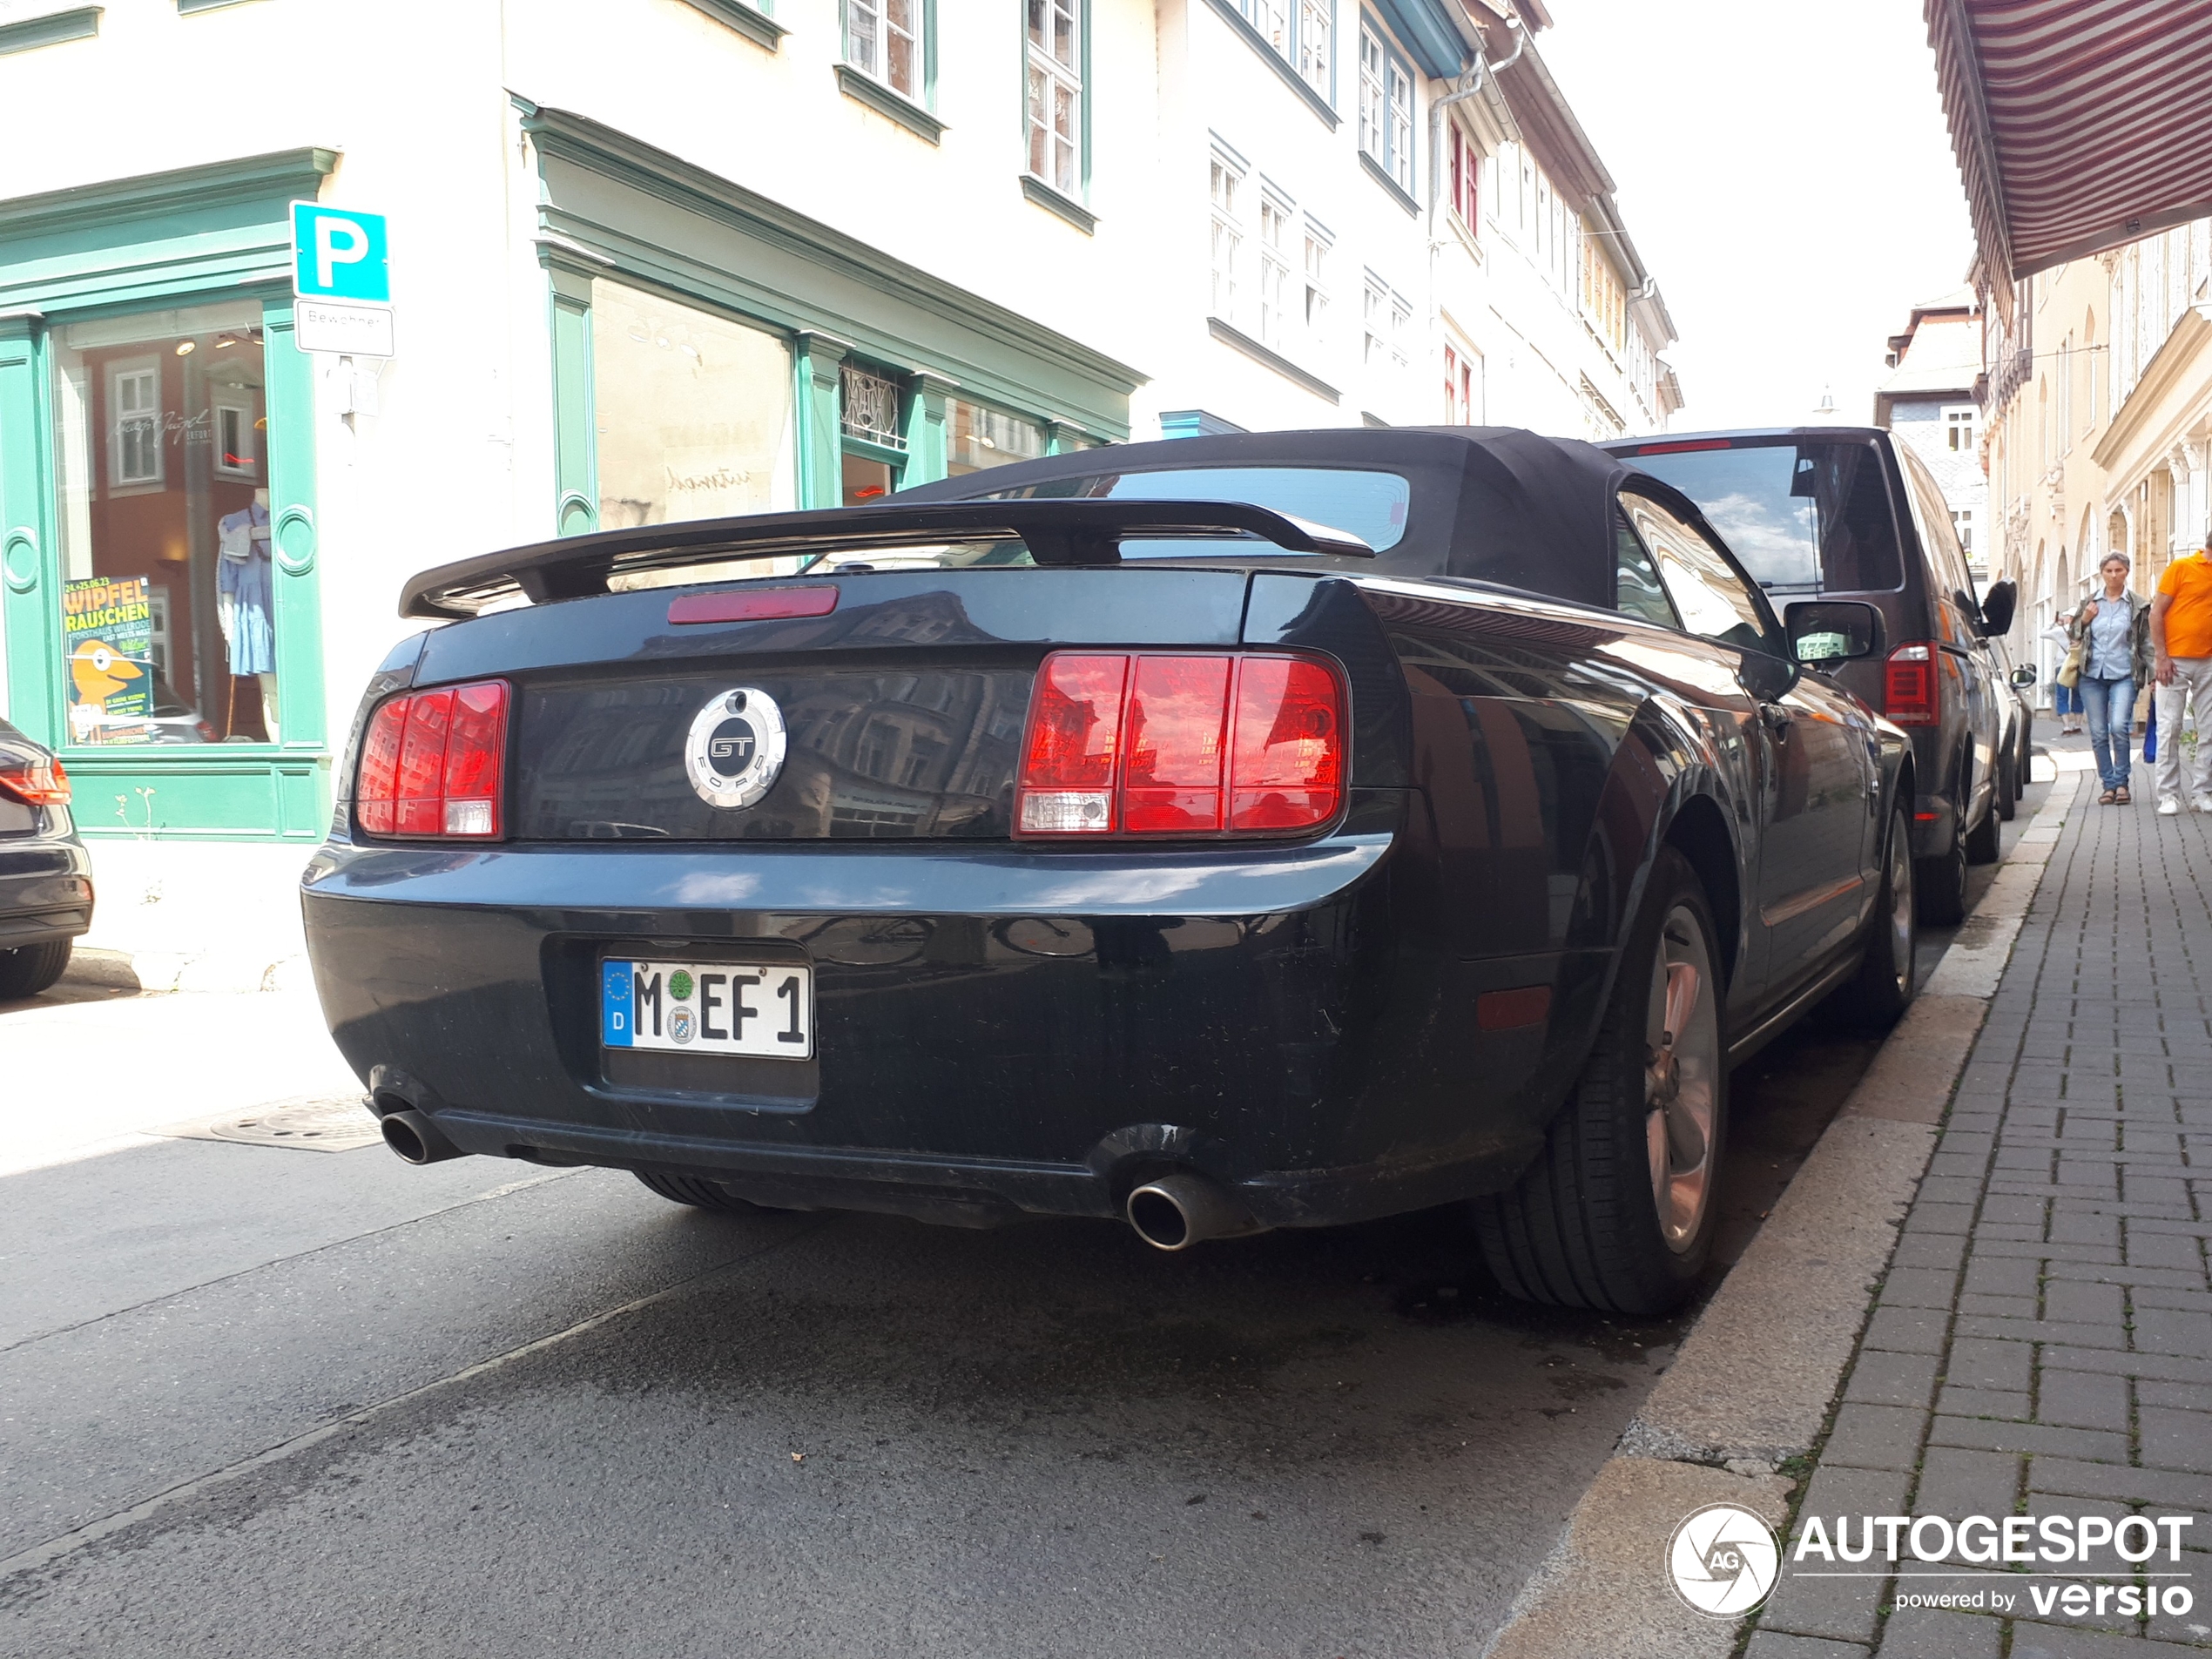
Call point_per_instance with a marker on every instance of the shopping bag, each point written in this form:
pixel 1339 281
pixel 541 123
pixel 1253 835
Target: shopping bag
pixel 2150 734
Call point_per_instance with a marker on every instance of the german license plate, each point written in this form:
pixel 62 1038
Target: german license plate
pixel 762 1010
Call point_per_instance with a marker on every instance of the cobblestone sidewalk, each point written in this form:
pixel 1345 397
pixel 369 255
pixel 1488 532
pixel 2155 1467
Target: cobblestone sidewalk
pixel 2042 1343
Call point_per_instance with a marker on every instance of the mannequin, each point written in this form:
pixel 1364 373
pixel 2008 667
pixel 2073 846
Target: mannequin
pixel 244 594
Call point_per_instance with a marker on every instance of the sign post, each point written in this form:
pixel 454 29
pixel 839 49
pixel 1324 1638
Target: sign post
pixel 341 273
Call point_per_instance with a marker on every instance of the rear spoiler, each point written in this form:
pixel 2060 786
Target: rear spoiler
pixel 1084 531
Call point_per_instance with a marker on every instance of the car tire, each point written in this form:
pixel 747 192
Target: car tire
pixel 1983 845
pixel 29 969
pixel 2008 785
pixel 1940 886
pixel 1584 1228
pixel 1889 975
pixel 691 1190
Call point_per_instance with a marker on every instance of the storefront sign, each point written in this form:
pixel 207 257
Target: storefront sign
pixel 348 330
pixel 107 636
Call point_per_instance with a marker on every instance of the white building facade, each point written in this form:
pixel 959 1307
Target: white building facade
pixel 1928 401
pixel 661 259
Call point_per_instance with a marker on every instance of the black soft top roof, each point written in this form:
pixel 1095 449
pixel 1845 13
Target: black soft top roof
pixel 1489 504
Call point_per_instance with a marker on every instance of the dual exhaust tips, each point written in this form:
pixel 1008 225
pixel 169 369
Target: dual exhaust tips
pixel 1171 1213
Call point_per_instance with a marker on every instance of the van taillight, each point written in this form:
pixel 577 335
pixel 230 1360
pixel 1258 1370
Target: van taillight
pixel 432 764
pixel 1909 685
pixel 1181 744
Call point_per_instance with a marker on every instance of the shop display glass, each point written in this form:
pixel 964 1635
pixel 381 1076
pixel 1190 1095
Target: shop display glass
pixel 693 412
pixel 977 437
pixel 168 602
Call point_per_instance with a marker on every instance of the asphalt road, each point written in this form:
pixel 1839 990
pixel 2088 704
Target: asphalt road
pixel 262 1401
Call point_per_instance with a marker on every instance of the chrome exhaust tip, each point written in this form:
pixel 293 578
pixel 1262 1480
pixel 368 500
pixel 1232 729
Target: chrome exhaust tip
pixel 1179 1210
pixel 416 1138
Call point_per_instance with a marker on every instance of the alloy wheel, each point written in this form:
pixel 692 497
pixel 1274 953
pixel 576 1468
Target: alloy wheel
pixel 1682 1078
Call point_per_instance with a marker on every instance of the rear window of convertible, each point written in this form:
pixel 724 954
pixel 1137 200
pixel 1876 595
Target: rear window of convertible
pixel 1369 503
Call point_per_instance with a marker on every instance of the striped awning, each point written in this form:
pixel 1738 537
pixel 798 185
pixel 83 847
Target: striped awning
pixel 2079 125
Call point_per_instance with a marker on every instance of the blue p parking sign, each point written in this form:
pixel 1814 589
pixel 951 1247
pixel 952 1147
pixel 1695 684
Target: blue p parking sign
pixel 339 254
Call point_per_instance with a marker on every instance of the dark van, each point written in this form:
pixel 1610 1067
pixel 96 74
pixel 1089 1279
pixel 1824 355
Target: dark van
pixel 1847 512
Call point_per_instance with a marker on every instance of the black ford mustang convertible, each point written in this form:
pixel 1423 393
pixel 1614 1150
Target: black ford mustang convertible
pixel 1265 831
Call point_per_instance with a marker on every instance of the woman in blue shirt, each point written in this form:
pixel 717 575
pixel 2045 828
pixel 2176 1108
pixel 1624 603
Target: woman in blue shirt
pixel 2114 632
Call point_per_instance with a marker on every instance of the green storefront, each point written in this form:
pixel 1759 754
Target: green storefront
pixel 711 352
pixel 157 530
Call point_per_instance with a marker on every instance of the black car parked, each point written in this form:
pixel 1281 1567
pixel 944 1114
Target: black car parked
pixel 1848 512
pixel 1229 833
pixel 45 873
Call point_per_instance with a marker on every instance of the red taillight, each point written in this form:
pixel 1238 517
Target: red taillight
pixel 1287 772
pixel 1685 447
pixel 1181 745
pixel 1909 685
pixel 36 783
pixel 431 763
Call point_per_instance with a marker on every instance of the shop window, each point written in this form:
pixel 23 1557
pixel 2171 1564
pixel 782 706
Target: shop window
pixel 871 405
pixel 977 437
pixel 1056 93
pixel 693 412
pixel 883 41
pixel 168 596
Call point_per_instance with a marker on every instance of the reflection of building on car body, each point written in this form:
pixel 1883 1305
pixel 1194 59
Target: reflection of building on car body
pixel 1262 831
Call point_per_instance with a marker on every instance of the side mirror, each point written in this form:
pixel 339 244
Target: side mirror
pixel 1998 606
pixel 2024 676
pixel 1823 632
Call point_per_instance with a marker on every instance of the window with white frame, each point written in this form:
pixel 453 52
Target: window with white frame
pixel 1299 31
pixel 134 422
pixel 1960 427
pixel 1316 37
pixel 1375 316
pixel 1274 269
pixel 1385 108
pixel 883 41
pixel 1317 242
pixel 1056 93
pixel 1962 523
pixel 1228 184
pixel 1401 329
pixel 1401 125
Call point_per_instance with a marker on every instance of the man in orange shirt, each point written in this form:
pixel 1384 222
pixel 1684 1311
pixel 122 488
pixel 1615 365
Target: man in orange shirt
pixel 2180 638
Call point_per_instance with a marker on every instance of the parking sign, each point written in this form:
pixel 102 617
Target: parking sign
pixel 339 254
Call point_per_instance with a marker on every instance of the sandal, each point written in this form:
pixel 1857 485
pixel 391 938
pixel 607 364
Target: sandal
pixel 2108 798
pixel 2120 797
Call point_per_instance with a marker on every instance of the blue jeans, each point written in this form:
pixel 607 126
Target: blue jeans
pixel 2110 706
pixel 2066 702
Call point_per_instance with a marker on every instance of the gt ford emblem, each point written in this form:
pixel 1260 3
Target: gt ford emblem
pixel 735 749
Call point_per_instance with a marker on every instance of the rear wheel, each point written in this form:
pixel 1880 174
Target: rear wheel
pixel 2008 784
pixel 29 969
pixel 1941 884
pixel 1617 1213
pixel 689 1188
pixel 1982 845
pixel 1889 973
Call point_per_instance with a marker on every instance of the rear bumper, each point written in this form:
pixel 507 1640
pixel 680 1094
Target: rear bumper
pixel 999 1030
pixel 45 892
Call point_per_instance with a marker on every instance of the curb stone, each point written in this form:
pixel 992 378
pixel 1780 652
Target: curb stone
pixel 205 971
pixel 1750 1388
